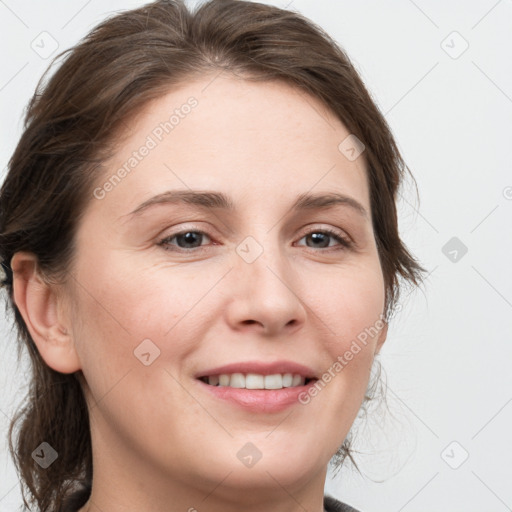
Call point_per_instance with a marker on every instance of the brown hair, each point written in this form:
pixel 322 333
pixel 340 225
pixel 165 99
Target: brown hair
pixel 70 129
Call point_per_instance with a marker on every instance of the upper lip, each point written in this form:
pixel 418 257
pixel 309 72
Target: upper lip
pixel 260 367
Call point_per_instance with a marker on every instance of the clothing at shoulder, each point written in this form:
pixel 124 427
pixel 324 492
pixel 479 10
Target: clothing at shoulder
pixel 333 505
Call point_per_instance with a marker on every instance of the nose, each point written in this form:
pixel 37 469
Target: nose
pixel 265 294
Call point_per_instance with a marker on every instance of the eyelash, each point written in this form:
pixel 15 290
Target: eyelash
pixel 344 242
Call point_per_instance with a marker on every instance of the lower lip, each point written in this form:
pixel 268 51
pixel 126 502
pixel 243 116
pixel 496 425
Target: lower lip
pixel 259 400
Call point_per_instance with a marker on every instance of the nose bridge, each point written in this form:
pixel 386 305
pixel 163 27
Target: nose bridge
pixel 263 259
pixel 265 288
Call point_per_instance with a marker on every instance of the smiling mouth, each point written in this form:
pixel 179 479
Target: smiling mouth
pixel 257 381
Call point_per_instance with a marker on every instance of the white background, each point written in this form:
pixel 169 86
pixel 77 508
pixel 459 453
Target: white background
pixel 449 352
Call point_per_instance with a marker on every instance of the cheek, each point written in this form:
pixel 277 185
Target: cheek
pixel 352 313
pixel 353 304
pixel 122 305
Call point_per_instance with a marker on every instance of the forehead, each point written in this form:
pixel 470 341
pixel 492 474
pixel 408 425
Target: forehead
pixel 261 140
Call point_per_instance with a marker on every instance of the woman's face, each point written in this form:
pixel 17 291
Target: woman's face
pixel 171 285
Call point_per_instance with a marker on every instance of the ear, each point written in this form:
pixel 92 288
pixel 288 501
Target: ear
pixel 382 337
pixel 41 308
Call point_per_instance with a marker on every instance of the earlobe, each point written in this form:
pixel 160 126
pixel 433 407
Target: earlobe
pixel 38 303
pixel 382 337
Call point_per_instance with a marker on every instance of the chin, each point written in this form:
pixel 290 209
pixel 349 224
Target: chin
pixel 261 464
pixel 272 475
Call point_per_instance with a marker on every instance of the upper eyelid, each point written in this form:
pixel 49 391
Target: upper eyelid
pixel 206 231
pixel 332 231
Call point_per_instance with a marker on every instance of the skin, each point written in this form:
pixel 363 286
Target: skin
pixel 160 442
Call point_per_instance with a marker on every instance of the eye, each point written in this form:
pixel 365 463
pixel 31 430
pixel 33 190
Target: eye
pixel 184 240
pixel 191 239
pixel 320 238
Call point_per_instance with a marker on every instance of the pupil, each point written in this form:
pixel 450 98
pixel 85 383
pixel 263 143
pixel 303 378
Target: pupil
pixel 320 237
pixel 189 237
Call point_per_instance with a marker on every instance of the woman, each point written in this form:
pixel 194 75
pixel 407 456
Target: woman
pixel 199 235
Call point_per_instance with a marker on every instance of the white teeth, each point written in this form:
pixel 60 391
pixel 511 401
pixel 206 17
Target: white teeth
pixel 224 380
pixel 257 381
pixel 237 380
pixel 273 381
pixel 296 380
pixel 253 381
pixel 287 380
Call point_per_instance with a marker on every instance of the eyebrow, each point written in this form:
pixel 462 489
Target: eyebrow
pixel 220 201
